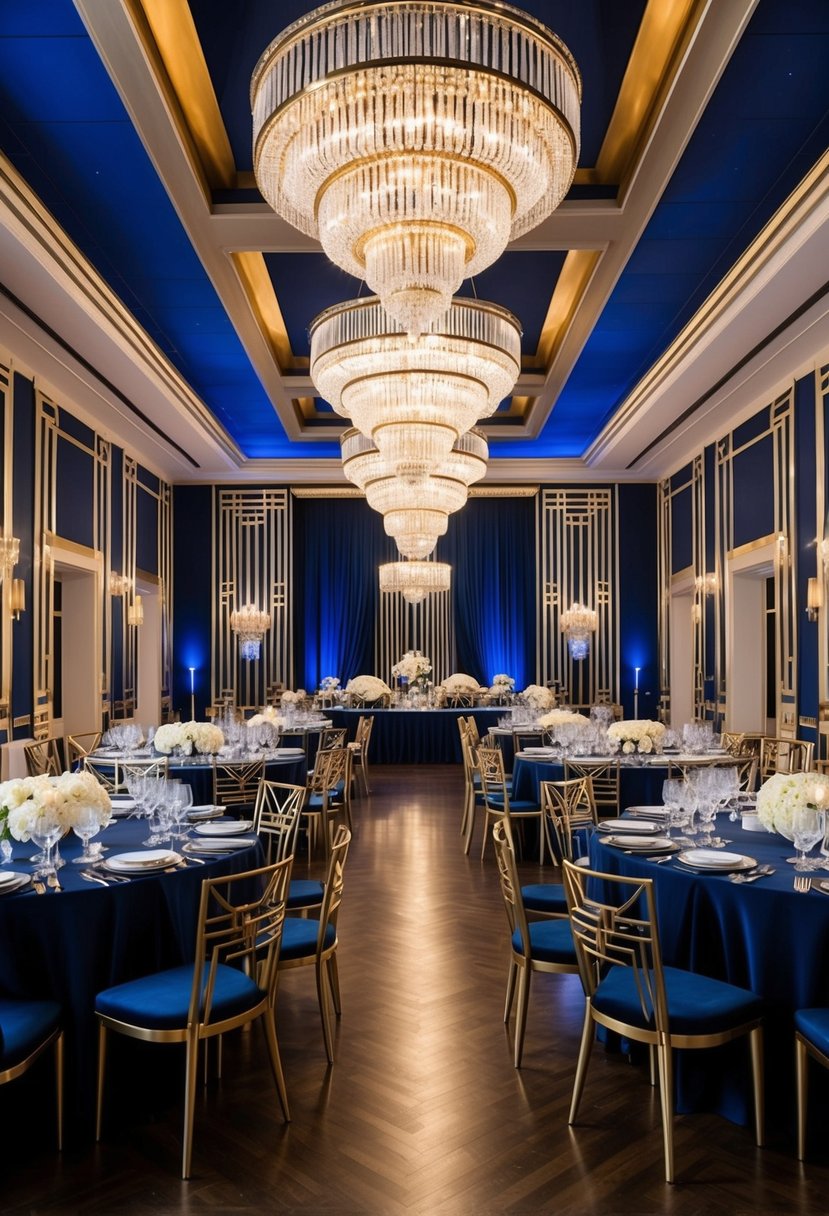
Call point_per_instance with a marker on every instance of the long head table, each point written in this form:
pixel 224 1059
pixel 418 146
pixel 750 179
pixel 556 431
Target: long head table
pixel 415 736
pixel 67 946
pixel 763 936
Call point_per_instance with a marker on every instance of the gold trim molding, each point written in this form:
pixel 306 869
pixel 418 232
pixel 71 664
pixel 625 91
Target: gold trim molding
pixel 752 545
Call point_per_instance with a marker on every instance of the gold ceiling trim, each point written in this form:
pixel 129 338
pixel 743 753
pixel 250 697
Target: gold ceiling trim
pixel 576 273
pixel 519 408
pixel 173 31
pixel 503 491
pixel 474 492
pixel 258 288
pixel 666 29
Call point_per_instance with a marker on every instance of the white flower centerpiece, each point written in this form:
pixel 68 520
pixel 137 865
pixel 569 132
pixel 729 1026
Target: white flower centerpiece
pixel 784 793
pixel 24 798
pixel 187 738
pixel 368 689
pixel 414 667
pixel 562 717
pixel 538 698
pixel 268 717
pixel 294 698
pixel 640 736
pixel 501 688
pixel 329 683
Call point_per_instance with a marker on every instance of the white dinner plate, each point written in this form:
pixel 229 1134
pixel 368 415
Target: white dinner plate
pixel 145 862
pixel 635 844
pixel 538 751
pixel 228 827
pixel 290 751
pixel 648 812
pixel 630 827
pixel 716 859
pixel 13 880
pixel 206 810
pixel 219 844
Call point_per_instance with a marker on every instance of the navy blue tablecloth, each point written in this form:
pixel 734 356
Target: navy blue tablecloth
pixel 70 945
pixel 762 936
pixel 638 786
pixel 290 770
pixel 414 736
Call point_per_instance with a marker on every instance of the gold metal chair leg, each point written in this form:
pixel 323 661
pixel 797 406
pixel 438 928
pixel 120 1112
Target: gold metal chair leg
pixel 59 1088
pixel 334 982
pixel 276 1063
pixel 325 1012
pixel 470 826
pixel 102 1056
pixel 521 1012
pixel 190 1083
pixel 801 1060
pixel 652 1064
pixel 666 1092
pixel 756 1040
pixel 513 973
pixel 364 769
pixel 588 1034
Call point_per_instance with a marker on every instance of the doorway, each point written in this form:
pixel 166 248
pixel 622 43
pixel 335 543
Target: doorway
pixel 76 684
pixel 148 655
pixel 682 655
pixel 750 683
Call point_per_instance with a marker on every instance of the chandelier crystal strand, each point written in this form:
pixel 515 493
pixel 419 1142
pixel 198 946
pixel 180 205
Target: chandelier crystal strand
pixel 415 139
pixel 250 625
pixel 577 623
pixel 415 580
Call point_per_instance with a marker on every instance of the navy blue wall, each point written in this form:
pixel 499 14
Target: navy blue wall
pixel 23 397
pixel 806 507
pixel 638 599
pixel 192 590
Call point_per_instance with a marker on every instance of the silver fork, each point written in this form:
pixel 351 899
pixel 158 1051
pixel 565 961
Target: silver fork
pixel 802 883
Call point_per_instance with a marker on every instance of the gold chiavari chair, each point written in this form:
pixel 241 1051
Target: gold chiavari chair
pixel 328 795
pixel 544 945
pixel 732 742
pixel 27 1030
pixel 43 758
pixel 115 775
pixel 569 807
pixel 276 822
pixel 359 749
pixel 312 942
pixel 629 991
pixel 605 783
pixel 747 767
pixel 497 800
pixel 80 745
pixel 236 786
pixel 811 1041
pixel 231 983
pixel 785 756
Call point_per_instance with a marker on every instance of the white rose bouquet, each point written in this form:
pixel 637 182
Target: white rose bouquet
pixel 413 666
pixel 25 797
pixel 563 717
pixel 460 683
pixel 294 698
pixel 538 698
pixel 201 737
pixel 502 685
pixel 784 793
pixel 268 717
pixel 639 736
pixel 329 683
pixel 368 688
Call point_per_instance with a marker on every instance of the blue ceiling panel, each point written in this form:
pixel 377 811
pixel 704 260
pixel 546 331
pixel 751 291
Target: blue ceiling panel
pixel 306 284
pixel 523 282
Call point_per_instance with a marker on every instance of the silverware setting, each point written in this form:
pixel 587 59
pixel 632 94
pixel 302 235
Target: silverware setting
pixel 753 875
pixel 802 883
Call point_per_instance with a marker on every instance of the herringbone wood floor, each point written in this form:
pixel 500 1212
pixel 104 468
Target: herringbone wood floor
pixel 423 1111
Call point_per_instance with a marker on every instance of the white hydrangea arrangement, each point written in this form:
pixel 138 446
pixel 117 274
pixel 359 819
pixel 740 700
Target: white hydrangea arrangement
pixel 501 686
pixel 268 717
pixel 460 683
pixel 413 666
pixel 22 798
pixel 189 737
pixel 329 683
pixel 538 698
pixel 784 793
pixel 641 736
pixel 368 688
pixel 294 698
pixel 563 717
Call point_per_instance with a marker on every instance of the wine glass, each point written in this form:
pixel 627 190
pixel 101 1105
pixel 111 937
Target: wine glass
pixel 86 825
pixel 45 830
pixel 672 801
pixel 808 827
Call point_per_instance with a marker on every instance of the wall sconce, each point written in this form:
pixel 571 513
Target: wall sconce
pixel 814 599
pixel 135 612
pixel 250 624
pixel 9 555
pixel 696 614
pixel 577 623
pixel 18 599
pixel 119 584
pixel 706 584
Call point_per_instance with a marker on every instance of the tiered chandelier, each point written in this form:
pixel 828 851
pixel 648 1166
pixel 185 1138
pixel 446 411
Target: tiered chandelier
pixel 415 139
pixel 577 624
pixel 415 402
pixel 415 580
pixel 251 626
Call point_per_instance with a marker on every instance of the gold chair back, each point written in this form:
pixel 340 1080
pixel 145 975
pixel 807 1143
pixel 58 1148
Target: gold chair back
pixel 510 882
pixel 732 742
pixel 747 768
pixel 237 784
pixel 43 758
pixel 108 772
pixel 605 783
pixel 567 805
pixel 471 726
pixel 359 749
pixel 785 756
pixel 331 737
pixel 276 817
pixel 80 745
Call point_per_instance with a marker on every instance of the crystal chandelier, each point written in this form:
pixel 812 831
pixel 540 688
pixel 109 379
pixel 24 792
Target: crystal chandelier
pixel 415 399
pixel 9 554
pixel 415 580
pixel 251 625
pixel 577 623
pixel 415 139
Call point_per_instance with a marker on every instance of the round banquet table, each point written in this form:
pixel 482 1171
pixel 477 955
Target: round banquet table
pixel 67 946
pixel 288 765
pixel 763 936
pixel 639 784
pixel 415 736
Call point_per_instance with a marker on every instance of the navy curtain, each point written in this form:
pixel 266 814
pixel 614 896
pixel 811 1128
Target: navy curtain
pixel 338 545
pixel 490 545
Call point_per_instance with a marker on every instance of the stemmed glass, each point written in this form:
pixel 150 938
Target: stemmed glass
pixel 45 830
pixel 154 793
pixel 808 827
pixel 672 799
pixel 86 825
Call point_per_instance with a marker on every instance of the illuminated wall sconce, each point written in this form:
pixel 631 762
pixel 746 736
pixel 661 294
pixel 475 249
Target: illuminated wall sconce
pixel 577 623
pixel 706 584
pixel 135 612
pixel 250 624
pixel 18 599
pixel 814 599
pixel 696 614
pixel 9 555
pixel 119 584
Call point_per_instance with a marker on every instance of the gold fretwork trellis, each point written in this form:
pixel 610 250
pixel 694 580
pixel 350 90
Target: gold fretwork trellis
pixel 7 522
pixel 578 562
pixel 780 427
pixel 694 484
pixel 252 553
pixel 822 535
pixel 428 627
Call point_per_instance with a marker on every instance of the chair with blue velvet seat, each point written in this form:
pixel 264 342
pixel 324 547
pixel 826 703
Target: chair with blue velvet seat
pixel 544 945
pixel 27 1030
pixel 236 786
pixel 276 822
pixel 629 991
pixel 811 1039
pixel 497 799
pixel 359 750
pixel 328 795
pixel 311 942
pixel 570 816
pixel 231 983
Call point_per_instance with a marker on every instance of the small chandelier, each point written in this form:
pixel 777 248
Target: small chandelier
pixel 9 554
pixel 119 584
pixel 577 623
pixel 415 580
pixel 135 612
pixel 251 625
pixel 415 139
pixel 415 399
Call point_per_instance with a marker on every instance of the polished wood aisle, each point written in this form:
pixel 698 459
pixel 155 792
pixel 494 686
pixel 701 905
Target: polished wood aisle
pixel 423 1111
